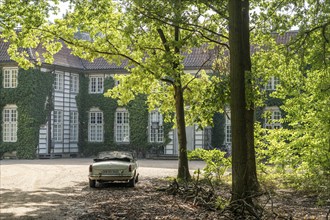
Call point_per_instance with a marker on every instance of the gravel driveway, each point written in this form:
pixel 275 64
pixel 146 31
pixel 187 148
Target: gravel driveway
pixel 45 189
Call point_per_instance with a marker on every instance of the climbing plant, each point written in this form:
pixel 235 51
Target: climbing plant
pixel 30 98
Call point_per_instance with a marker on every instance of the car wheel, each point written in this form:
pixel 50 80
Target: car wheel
pixel 131 182
pixel 137 178
pixel 92 183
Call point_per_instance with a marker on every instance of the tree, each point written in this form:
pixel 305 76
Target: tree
pixel 153 36
pixel 302 145
pixel 235 15
pixel 149 36
pixel 18 23
pixel 240 65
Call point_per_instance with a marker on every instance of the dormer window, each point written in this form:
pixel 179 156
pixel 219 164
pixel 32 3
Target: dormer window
pixel 10 77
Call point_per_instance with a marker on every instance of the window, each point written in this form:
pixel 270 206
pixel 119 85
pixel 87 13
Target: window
pixel 9 118
pixel 74 83
pixel 96 84
pixel 95 126
pixel 73 126
pixel 10 77
pixel 58 84
pixel 156 130
pixel 122 125
pixel 58 125
pixel 227 127
pixel 272 83
pixel 273 115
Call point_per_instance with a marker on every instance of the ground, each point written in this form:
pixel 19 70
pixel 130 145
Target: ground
pixel 58 189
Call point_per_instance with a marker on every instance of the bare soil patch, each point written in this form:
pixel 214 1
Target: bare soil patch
pixel 146 201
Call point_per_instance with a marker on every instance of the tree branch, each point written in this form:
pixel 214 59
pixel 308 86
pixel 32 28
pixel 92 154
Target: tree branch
pixel 163 38
pixel 196 74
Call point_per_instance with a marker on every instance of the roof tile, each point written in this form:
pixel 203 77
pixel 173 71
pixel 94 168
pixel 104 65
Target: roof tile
pixel 198 57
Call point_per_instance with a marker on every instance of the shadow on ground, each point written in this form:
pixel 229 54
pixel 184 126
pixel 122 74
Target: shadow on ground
pixel 44 203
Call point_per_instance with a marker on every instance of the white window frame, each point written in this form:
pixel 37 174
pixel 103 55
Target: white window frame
pixel 96 84
pixel 9 126
pixel 272 83
pixel 122 130
pixel 95 126
pixel 59 81
pixel 10 75
pixel 228 131
pixel 57 126
pixel 74 83
pixel 156 128
pixel 74 126
pixel 272 122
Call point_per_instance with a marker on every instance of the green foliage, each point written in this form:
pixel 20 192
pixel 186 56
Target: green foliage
pixel 30 18
pixel 216 162
pixel 221 203
pixel 30 97
pixel 302 147
pixel 300 150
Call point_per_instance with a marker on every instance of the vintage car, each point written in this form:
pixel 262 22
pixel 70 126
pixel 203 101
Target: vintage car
pixel 114 166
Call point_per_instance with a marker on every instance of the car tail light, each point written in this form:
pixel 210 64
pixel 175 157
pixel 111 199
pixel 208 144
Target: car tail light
pixel 130 168
pixel 90 168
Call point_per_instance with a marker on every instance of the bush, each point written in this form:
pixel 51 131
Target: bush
pixel 216 162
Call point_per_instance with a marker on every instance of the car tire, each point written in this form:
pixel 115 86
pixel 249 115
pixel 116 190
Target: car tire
pixel 92 183
pixel 137 178
pixel 131 182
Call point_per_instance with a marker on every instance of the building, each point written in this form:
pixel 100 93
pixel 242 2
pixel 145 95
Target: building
pixel 58 110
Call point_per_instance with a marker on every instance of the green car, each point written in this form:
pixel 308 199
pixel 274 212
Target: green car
pixel 114 166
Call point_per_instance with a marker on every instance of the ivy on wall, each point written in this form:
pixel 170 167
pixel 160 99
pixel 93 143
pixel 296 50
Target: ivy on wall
pixel 30 98
pixel 85 102
pixel 138 121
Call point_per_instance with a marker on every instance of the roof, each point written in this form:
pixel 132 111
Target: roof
pixel 4 57
pixel 285 38
pixel 65 58
pixel 101 64
pixel 197 58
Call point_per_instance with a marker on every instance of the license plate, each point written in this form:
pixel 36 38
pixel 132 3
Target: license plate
pixel 110 172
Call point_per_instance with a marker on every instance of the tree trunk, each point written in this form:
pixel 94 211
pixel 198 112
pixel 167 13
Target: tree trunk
pixel 249 115
pixel 242 113
pixel 183 168
pixel 238 102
